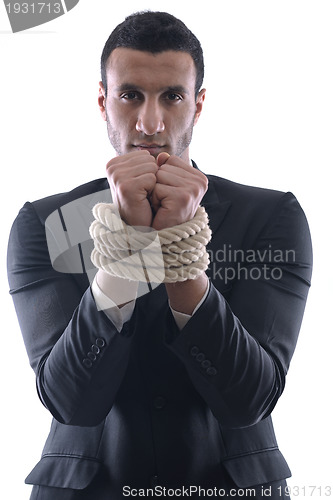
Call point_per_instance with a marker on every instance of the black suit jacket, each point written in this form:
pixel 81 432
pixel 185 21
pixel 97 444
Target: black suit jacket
pixel 152 405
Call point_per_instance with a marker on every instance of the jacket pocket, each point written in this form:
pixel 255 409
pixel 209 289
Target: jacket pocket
pixel 62 471
pixel 257 468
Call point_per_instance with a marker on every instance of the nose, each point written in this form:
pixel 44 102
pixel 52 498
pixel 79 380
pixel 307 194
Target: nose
pixel 150 119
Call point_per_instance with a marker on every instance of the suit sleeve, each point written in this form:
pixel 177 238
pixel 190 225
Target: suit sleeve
pixel 237 352
pixel 76 352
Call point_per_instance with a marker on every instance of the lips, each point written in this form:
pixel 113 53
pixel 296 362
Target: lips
pixel 149 146
pixel 152 148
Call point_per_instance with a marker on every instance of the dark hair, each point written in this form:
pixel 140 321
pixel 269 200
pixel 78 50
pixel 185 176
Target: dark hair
pixel 154 32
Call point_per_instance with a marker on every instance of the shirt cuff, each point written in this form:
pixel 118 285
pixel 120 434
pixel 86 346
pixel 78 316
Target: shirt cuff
pixel 182 319
pixel 117 315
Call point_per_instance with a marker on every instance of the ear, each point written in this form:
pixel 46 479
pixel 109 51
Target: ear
pixel 101 100
pixel 199 104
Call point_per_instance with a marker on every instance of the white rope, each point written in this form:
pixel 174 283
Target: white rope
pixel 173 254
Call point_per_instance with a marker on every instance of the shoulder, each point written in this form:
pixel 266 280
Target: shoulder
pixel 46 206
pixel 48 228
pixel 30 221
pixel 242 193
pixel 258 211
pixel 250 203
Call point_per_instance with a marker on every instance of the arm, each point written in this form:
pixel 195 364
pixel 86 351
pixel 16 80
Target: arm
pixel 61 326
pixel 237 353
pixel 77 353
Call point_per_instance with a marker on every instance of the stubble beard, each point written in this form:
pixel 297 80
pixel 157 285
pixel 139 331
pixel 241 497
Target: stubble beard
pixel 181 145
pixel 114 137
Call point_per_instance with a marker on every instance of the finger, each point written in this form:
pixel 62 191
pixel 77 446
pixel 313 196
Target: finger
pixel 137 170
pixel 145 183
pixel 181 168
pixel 176 171
pixel 173 178
pixel 131 169
pixel 139 156
pixel 135 190
pixel 162 158
pixel 178 162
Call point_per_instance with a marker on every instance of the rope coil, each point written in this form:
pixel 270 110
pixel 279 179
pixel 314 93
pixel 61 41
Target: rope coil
pixel 173 254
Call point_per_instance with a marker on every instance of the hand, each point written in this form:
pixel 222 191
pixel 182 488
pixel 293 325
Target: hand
pixel 132 178
pixel 178 191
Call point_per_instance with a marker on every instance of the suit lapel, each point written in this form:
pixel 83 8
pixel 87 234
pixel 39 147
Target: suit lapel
pixel 215 208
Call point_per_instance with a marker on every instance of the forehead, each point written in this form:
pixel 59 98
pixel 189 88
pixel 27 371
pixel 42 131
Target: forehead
pixel 147 70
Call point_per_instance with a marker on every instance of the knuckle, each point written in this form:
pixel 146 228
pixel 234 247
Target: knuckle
pixel 154 168
pixel 109 164
pixel 204 179
pixel 124 189
pixel 152 176
pixel 109 169
pixel 205 183
pixel 198 189
pixel 184 197
pixel 158 175
pixel 114 177
pixel 150 179
pixel 200 185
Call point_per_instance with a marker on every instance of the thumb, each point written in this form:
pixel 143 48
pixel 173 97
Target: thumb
pixel 162 158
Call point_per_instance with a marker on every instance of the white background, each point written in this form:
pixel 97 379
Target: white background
pixel 268 121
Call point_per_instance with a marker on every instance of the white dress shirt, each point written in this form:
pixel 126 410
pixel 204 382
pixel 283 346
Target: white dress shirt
pixel 119 315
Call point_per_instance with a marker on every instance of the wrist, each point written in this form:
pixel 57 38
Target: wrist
pixel 184 296
pixel 119 290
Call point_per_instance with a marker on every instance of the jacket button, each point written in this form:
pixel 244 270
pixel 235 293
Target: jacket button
pixel 100 342
pixel 200 357
pixel 206 363
pixel 194 351
pixel 159 402
pixel 211 371
pixel 91 356
pixel 95 349
pixel 87 363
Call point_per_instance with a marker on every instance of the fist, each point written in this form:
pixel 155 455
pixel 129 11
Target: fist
pixel 132 179
pixel 178 191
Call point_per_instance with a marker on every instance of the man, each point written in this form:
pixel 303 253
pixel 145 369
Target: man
pixel 168 385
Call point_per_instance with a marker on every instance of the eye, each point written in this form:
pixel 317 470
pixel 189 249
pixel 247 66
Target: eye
pixel 130 96
pixel 174 97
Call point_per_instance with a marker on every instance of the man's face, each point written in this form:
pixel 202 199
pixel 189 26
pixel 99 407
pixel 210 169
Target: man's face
pixel 150 101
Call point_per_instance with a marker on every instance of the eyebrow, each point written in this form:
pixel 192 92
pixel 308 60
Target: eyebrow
pixel 172 88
